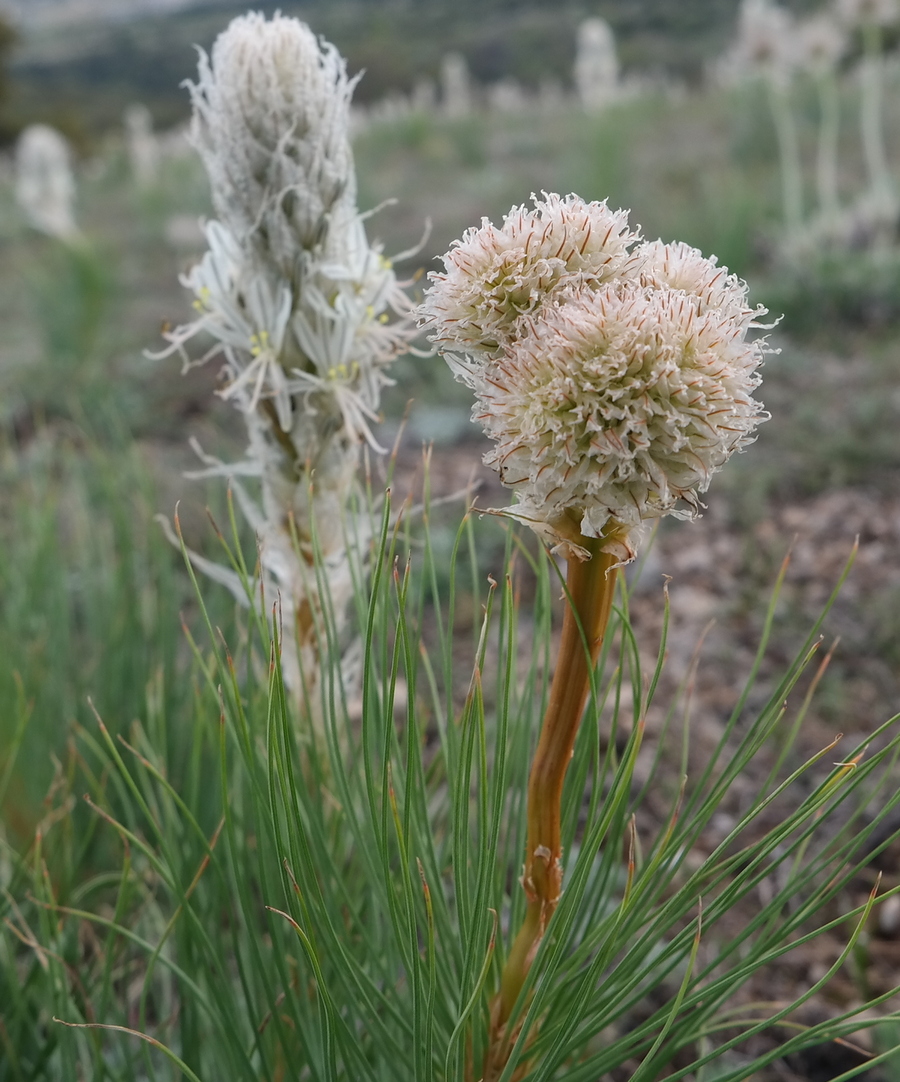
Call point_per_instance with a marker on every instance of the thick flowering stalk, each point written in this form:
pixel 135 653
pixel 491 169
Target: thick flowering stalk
pixel 456 86
pixel 298 302
pixel 614 378
pixel 591 587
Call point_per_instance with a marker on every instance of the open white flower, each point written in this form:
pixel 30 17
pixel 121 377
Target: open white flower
pixel 617 402
pixel 291 287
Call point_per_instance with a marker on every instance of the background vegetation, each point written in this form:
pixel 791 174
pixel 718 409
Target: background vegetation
pixel 94 445
pixel 79 77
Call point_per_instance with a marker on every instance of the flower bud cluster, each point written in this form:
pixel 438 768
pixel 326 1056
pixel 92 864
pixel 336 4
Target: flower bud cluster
pixel 270 119
pixel 614 377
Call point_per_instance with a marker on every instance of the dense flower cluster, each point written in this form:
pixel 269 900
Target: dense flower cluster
pixel 494 277
pixel 615 384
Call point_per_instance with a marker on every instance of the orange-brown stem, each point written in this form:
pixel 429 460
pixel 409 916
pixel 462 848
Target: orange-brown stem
pixel 591 586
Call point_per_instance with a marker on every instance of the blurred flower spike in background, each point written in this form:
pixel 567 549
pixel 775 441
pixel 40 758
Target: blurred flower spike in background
pixel 614 377
pixel 45 185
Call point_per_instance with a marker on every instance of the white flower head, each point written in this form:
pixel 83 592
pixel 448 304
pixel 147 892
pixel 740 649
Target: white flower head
pixel 271 122
pixel 495 279
pixel 616 403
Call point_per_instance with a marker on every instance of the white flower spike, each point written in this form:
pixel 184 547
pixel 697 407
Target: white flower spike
pixel 298 301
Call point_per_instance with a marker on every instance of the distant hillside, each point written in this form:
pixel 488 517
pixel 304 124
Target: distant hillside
pixel 82 75
pixel 31 13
